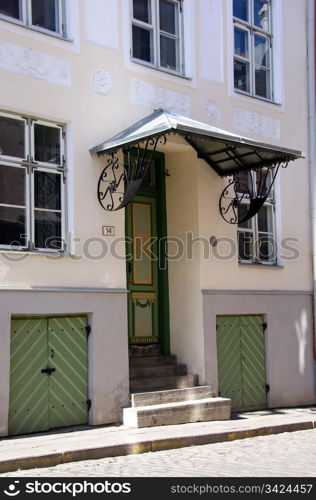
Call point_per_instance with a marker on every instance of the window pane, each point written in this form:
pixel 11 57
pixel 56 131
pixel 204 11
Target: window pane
pixel 262 49
pixel 12 182
pixel 263 183
pixel 240 9
pixel 242 212
pixel 47 230
pixel 10 8
pixel 168 17
pixel 262 82
pixel 12 137
pixel 142 44
pixel 47 190
pixel 267 248
pixel 45 14
pixel 245 245
pixel 47 144
pixel 241 76
pixel 12 226
pixel 142 10
pixel 168 53
pixel 241 43
pixel 243 182
pixel 262 14
pixel 265 217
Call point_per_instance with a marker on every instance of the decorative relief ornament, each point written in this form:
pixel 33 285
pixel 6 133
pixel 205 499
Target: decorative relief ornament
pixel 101 82
pixel 212 113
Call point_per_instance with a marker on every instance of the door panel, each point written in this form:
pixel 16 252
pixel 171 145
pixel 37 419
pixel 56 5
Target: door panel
pixel 28 409
pixel 241 361
pixel 253 362
pixel 229 359
pixel 68 385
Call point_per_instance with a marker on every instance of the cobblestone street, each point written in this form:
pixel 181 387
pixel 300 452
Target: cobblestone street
pixel 288 454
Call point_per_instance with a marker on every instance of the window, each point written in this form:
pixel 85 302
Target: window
pixel 257 236
pixel 44 15
pixel 32 176
pixel 253 47
pixel 157 33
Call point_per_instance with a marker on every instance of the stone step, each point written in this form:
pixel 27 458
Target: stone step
pixel 178 413
pixel 144 350
pixel 152 360
pixel 162 383
pixel 157 371
pixel 171 396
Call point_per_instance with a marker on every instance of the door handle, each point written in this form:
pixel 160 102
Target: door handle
pixel 49 371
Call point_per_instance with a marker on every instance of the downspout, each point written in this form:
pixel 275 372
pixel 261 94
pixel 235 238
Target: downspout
pixel 312 146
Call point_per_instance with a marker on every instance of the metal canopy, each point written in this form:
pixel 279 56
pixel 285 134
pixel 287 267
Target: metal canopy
pixel 225 152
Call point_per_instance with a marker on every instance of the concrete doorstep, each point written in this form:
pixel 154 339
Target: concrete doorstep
pixel 71 445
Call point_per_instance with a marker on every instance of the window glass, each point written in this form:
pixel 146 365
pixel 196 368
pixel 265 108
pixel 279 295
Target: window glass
pixel 12 182
pixel 12 226
pixel 262 82
pixel 168 53
pixel 265 219
pixel 262 14
pixel 241 43
pixel 45 14
pixel 241 76
pixel 10 8
pixel 47 229
pixel 167 15
pixel 142 44
pixel 240 9
pixel 47 190
pixel 12 137
pixel 262 51
pixel 47 144
pixel 267 248
pixel 245 245
pixel 142 10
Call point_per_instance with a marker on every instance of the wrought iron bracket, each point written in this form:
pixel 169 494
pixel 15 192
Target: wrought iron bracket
pixel 241 188
pixel 119 183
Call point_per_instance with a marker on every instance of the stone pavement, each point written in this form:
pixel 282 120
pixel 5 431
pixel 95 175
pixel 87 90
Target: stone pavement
pixel 58 447
pixel 265 456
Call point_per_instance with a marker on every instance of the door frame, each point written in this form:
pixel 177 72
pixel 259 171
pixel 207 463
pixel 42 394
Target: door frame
pixel 159 194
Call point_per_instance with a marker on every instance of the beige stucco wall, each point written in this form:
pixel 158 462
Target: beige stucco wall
pixel 107 345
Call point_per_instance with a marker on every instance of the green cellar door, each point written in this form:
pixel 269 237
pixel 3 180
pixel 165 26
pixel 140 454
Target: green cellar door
pixel 241 361
pixel 48 374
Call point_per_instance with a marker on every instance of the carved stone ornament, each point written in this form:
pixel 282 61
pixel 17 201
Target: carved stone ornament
pixel 101 82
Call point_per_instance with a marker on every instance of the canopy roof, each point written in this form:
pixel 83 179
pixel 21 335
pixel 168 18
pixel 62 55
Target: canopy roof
pixel 225 152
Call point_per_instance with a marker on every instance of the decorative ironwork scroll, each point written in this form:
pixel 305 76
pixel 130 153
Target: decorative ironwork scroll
pixel 253 191
pixel 119 183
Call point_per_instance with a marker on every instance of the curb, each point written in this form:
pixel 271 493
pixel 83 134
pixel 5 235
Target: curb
pixel 53 459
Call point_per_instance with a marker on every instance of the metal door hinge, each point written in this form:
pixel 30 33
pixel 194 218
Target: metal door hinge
pixel 267 388
pixel 264 326
pixel 89 403
pixel 88 330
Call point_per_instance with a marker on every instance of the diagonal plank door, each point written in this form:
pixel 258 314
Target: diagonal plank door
pixel 253 362
pixel 28 408
pixel 68 385
pixel 229 359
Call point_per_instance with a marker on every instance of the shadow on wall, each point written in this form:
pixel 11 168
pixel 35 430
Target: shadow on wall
pixel 301 327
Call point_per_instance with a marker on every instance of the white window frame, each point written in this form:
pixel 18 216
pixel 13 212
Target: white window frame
pixel 26 19
pixel 254 230
pixel 31 167
pixel 253 30
pixel 154 27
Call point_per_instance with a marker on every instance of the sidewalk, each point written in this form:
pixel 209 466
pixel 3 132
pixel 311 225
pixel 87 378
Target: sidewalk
pixel 71 445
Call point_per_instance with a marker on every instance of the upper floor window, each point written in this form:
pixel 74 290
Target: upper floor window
pixel 257 236
pixel 253 47
pixel 32 176
pixel 157 38
pixel 44 15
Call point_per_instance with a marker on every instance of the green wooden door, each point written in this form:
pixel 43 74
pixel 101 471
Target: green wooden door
pixel 68 385
pixel 28 410
pixel 56 397
pixel 147 274
pixel 241 361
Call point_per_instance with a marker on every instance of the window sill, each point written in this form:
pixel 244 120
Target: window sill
pixel 9 252
pixel 42 31
pixel 261 266
pixel 257 98
pixel 162 70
